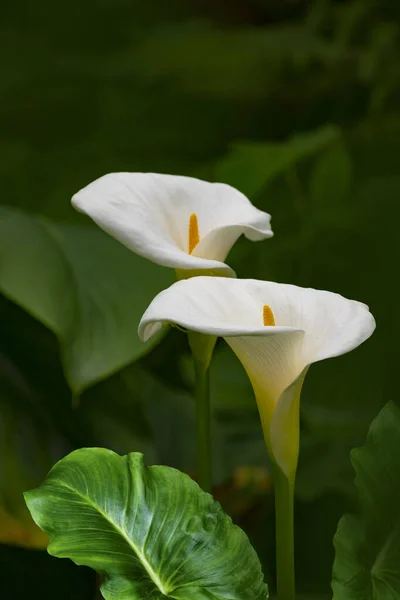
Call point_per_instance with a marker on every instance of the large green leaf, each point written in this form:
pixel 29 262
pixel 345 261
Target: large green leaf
pixel 84 286
pixel 367 564
pixel 39 425
pixel 151 531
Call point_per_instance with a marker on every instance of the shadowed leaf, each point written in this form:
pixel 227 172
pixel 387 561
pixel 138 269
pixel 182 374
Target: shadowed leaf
pixel 367 564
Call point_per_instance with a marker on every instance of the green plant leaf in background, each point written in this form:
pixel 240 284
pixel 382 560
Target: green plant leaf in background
pixel 151 531
pixel 367 563
pixel 85 287
pixel 252 165
pixel 331 178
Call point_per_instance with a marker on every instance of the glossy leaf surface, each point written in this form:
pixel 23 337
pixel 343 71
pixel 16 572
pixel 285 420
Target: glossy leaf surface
pixel 151 531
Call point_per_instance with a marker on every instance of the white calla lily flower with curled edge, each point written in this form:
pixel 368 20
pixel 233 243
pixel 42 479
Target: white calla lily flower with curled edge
pixel 176 221
pixel 184 223
pixel 276 330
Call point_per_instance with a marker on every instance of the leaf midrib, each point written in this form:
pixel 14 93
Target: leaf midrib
pixel 147 566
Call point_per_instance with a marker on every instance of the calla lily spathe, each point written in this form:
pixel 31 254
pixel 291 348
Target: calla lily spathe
pixel 276 330
pixel 175 221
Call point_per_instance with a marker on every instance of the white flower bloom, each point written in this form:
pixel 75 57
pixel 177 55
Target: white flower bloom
pixel 276 330
pixel 178 222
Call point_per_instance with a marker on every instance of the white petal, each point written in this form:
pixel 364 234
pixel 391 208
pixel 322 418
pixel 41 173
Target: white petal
pixel 209 305
pixel 332 325
pixel 310 325
pixel 272 363
pixel 149 213
pixel 282 433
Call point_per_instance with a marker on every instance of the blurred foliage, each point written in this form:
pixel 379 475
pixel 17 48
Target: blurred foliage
pixel 294 102
pixel 85 287
pixel 367 544
pixel 44 576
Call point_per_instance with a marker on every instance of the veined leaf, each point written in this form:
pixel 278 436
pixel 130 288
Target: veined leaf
pixel 151 531
pixel 84 286
pixel 367 563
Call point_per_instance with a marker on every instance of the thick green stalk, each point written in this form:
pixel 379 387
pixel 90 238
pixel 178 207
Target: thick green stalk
pixel 284 531
pixel 203 425
pixel 202 347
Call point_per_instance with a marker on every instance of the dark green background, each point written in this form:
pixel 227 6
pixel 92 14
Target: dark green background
pixel 295 103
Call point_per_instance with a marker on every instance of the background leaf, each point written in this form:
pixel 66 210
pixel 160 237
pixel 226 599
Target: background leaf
pixel 152 531
pixel 250 166
pixel 367 563
pixel 331 177
pixel 88 289
pixel 187 88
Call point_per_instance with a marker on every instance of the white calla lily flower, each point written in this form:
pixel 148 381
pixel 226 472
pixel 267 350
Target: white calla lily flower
pixel 175 221
pixel 276 330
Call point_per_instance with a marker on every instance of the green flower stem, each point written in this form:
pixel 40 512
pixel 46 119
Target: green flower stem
pixel 203 426
pixel 284 531
pixel 202 347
